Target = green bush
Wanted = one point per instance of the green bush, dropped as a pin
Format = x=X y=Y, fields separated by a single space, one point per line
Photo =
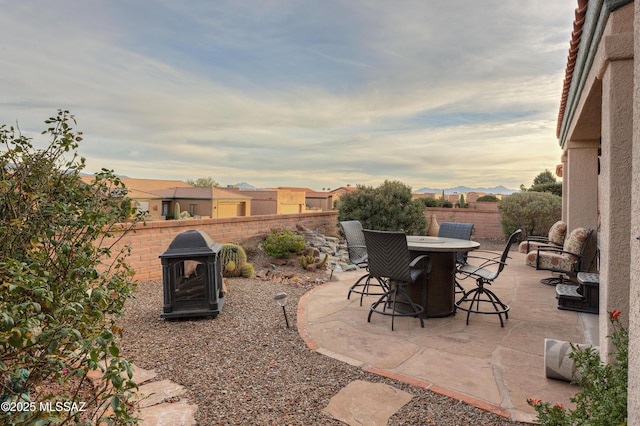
x=427 y=202
x=283 y=244
x=552 y=187
x=533 y=212
x=602 y=400
x=488 y=198
x=63 y=283
x=388 y=207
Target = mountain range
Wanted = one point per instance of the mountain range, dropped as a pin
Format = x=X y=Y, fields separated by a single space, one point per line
x=464 y=189
x=457 y=190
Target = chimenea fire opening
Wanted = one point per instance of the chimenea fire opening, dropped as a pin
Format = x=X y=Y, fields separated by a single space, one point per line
x=192 y=276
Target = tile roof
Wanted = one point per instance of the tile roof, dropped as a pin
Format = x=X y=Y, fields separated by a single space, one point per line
x=574 y=46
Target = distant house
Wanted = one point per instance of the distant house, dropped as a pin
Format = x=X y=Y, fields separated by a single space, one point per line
x=319 y=200
x=338 y=192
x=205 y=202
x=274 y=200
x=158 y=198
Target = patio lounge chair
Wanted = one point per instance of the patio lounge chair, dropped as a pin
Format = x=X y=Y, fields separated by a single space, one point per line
x=567 y=260
x=555 y=238
x=390 y=262
x=486 y=270
x=357 y=248
x=460 y=231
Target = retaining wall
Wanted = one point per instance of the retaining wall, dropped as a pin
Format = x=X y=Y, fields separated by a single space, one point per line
x=151 y=240
x=485 y=219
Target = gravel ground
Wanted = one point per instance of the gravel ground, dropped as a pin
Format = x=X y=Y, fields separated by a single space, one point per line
x=246 y=368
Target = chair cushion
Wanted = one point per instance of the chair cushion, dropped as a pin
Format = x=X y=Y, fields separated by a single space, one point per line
x=549 y=260
x=558 y=232
x=575 y=241
x=533 y=246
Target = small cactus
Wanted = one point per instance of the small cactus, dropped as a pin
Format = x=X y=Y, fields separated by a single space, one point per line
x=310 y=260
x=247 y=270
x=233 y=258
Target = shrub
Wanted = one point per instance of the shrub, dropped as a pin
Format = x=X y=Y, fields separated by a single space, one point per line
x=603 y=399
x=63 y=284
x=533 y=212
x=283 y=244
x=552 y=187
x=488 y=198
x=427 y=202
x=388 y=207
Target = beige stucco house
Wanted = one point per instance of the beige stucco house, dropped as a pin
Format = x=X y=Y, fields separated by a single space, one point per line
x=599 y=133
x=274 y=200
x=158 y=198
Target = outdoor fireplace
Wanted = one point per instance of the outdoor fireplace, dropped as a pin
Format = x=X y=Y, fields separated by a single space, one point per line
x=192 y=276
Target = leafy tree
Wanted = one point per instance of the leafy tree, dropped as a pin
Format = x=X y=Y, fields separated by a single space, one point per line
x=488 y=198
x=546 y=182
x=533 y=212
x=544 y=177
x=207 y=182
x=63 y=286
x=388 y=207
x=427 y=201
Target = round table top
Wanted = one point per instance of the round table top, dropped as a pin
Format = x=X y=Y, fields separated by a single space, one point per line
x=434 y=244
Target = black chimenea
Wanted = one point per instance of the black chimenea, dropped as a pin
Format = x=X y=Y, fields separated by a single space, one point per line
x=192 y=276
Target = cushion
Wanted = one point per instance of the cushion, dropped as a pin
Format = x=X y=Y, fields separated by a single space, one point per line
x=532 y=246
x=574 y=243
x=558 y=232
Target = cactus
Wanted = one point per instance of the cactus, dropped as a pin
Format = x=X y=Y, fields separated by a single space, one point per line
x=310 y=259
x=247 y=270
x=233 y=258
x=176 y=211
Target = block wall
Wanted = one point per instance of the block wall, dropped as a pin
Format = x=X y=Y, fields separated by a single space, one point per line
x=486 y=220
x=151 y=240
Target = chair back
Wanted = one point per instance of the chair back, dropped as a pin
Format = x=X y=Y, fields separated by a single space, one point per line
x=577 y=240
x=356 y=245
x=557 y=233
x=461 y=231
x=576 y=243
x=505 y=253
x=388 y=255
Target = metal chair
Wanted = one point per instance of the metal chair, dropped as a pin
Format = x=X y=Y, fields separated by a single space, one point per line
x=555 y=237
x=357 y=248
x=390 y=261
x=485 y=272
x=461 y=231
x=567 y=260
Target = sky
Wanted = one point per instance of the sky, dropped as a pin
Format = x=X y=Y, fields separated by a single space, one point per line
x=316 y=93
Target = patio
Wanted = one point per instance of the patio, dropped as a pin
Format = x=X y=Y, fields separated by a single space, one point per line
x=487 y=366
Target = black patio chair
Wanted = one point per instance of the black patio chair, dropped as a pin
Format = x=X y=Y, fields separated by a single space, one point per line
x=485 y=271
x=461 y=231
x=390 y=262
x=357 y=248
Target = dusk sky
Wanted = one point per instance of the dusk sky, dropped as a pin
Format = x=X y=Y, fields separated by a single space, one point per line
x=320 y=94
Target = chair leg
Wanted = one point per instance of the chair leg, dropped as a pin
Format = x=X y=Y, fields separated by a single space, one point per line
x=365 y=290
x=390 y=300
x=484 y=295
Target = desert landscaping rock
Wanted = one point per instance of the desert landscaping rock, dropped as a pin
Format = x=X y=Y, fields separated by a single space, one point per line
x=244 y=367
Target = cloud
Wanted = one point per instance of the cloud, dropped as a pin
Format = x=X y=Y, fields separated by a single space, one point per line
x=314 y=94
